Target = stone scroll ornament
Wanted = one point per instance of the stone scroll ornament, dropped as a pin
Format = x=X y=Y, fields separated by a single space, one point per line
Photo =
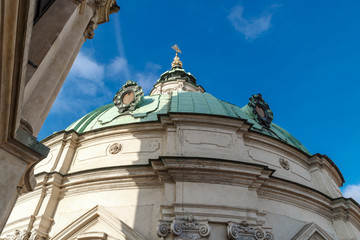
x=128 y=97
x=244 y=231
x=184 y=229
x=261 y=110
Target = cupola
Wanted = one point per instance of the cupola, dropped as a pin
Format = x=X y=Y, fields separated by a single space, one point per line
x=176 y=79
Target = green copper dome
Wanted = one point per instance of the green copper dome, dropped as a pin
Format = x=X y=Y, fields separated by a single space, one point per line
x=179 y=102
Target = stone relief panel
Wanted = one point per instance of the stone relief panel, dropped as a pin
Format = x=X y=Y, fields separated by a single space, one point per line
x=125 y=146
x=244 y=231
x=116 y=152
x=298 y=172
x=184 y=229
x=207 y=141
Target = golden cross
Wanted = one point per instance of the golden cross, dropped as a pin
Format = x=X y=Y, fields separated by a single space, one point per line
x=176 y=48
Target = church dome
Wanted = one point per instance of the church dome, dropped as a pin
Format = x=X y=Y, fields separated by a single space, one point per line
x=182 y=164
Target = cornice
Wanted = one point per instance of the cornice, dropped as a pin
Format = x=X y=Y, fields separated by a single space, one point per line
x=170 y=169
x=322 y=161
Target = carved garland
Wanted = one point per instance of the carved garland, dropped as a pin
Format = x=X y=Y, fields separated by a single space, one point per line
x=184 y=229
x=243 y=231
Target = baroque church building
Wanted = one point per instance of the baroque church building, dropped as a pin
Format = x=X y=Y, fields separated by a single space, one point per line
x=180 y=164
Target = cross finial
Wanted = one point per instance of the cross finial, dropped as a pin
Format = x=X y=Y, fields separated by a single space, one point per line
x=176 y=48
x=176 y=62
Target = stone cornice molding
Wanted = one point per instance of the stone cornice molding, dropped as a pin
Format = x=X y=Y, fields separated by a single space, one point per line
x=215 y=213
x=109 y=178
x=171 y=169
x=318 y=161
x=193 y=169
x=288 y=192
x=346 y=210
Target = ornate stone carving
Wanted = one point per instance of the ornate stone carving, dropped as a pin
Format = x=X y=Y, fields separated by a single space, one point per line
x=24 y=235
x=115 y=148
x=244 y=231
x=284 y=163
x=184 y=229
x=261 y=110
x=163 y=229
x=102 y=9
x=268 y=236
x=89 y=31
x=128 y=97
x=100 y=3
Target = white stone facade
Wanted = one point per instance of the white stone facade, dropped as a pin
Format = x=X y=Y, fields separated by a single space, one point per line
x=180 y=85
x=184 y=177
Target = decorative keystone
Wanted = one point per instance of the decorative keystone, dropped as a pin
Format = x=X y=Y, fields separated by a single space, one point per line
x=128 y=97
x=261 y=110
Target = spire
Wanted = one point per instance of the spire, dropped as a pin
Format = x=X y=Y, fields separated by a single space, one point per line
x=176 y=62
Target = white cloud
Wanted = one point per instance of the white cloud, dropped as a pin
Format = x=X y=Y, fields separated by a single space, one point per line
x=352 y=191
x=118 y=66
x=87 y=68
x=119 y=70
x=86 y=85
x=146 y=80
x=150 y=66
x=253 y=27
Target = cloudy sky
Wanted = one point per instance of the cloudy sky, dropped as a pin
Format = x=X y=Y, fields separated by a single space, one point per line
x=303 y=56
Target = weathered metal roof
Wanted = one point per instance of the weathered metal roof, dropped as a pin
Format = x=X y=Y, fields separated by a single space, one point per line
x=178 y=102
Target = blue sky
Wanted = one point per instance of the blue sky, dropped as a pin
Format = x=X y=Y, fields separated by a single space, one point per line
x=303 y=56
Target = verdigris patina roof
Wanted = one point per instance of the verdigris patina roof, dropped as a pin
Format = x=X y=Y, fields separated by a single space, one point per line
x=176 y=73
x=179 y=102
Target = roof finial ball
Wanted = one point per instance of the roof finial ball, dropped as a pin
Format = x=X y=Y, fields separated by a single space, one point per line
x=176 y=62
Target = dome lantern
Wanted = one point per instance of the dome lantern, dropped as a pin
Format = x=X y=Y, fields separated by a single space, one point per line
x=176 y=79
